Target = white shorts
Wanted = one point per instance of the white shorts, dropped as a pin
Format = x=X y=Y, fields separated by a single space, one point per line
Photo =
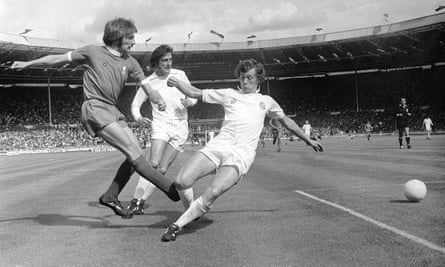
x=223 y=153
x=173 y=132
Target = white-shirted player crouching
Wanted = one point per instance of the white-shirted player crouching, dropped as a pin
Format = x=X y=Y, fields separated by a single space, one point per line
x=232 y=151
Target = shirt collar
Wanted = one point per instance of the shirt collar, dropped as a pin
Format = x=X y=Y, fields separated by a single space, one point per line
x=114 y=52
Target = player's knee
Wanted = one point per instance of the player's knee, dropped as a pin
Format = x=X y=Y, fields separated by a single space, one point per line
x=154 y=163
x=182 y=184
x=133 y=152
x=161 y=169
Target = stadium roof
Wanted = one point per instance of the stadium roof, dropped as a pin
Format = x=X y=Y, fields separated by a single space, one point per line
x=417 y=42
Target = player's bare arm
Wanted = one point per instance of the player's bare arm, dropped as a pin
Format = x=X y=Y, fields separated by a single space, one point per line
x=154 y=95
x=138 y=100
x=293 y=127
x=43 y=61
x=187 y=89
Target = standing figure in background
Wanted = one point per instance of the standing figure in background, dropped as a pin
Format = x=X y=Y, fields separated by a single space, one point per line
x=276 y=132
x=428 y=126
x=368 y=130
x=307 y=128
x=403 y=117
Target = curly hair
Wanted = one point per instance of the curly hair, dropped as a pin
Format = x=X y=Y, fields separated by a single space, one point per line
x=248 y=64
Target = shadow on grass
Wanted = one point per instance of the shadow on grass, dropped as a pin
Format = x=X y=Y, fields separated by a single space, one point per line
x=403 y=201
x=109 y=221
x=93 y=222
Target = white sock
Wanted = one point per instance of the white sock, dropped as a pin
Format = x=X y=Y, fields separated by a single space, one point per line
x=144 y=189
x=149 y=189
x=186 y=197
x=196 y=210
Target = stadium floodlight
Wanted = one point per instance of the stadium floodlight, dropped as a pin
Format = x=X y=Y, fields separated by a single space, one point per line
x=293 y=60
x=277 y=60
x=26 y=31
x=323 y=58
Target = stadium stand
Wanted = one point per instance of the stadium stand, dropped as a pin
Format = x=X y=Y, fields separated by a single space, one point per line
x=337 y=81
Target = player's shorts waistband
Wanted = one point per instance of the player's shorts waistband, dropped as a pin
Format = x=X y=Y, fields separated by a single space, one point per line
x=100 y=100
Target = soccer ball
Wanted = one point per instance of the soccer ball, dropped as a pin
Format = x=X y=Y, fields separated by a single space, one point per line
x=414 y=190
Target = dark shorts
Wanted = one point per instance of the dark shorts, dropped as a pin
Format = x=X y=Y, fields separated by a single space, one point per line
x=97 y=114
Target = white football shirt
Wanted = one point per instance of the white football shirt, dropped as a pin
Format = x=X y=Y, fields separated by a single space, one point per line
x=175 y=110
x=244 y=114
x=428 y=123
x=307 y=129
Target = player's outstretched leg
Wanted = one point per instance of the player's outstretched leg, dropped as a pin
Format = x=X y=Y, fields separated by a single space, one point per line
x=144 y=168
x=124 y=139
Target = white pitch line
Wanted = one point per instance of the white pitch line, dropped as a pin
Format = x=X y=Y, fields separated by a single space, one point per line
x=379 y=224
x=370 y=186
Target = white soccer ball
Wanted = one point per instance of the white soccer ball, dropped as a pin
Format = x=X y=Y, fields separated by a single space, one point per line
x=414 y=190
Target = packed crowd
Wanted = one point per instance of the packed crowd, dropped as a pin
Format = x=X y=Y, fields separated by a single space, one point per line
x=24 y=112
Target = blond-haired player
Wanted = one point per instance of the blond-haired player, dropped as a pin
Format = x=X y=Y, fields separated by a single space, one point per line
x=232 y=152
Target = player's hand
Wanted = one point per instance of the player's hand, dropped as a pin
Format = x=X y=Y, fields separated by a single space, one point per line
x=161 y=105
x=315 y=145
x=19 y=65
x=143 y=121
x=186 y=102
x=173 y=82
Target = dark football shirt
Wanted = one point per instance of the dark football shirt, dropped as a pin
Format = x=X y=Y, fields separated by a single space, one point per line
x=105 y=72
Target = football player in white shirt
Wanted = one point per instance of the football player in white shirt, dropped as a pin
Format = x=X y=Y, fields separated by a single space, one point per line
x=232 y=151
x=307 y=128
x=169 y=127
x=428 y=126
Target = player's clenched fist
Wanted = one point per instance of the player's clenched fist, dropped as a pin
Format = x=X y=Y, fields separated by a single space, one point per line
x=173 y=82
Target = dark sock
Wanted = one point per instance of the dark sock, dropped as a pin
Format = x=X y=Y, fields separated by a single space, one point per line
x=144 y=169
x=120 y=180
x=400 y=141
x=408 y=139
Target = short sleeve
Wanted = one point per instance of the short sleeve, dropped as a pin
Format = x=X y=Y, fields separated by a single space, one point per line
x=219 y=96
x=80 y=55
x=275 y=111
x=136 y=70
x=185 y=78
